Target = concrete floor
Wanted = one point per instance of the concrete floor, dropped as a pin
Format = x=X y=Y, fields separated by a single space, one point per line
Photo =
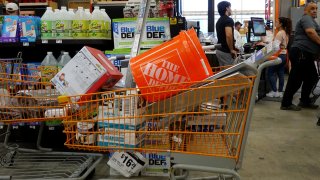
x=282 y=145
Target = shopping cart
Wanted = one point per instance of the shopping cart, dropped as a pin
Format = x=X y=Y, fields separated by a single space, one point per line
x=26 y=98
x=192 y=126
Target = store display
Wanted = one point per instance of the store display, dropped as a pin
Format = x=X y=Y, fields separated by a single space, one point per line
x=157 y=31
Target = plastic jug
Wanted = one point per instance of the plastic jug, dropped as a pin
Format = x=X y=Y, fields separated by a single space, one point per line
x=65 y=58
x=97 y=25
x=107 y=24
x=80 y=24
x=63 y=23
x=49 y=67
x=47 y=23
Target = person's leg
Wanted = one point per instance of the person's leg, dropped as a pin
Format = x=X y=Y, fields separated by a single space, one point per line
x=272 y=80
x=294 y=80
x=310 y=78
x=224 y=58
x=280 y=71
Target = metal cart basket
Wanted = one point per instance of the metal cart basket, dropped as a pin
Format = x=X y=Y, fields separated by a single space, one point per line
x=204 y=127
x=27 y=99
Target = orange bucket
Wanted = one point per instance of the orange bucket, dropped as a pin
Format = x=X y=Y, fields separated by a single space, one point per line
x=177 y=61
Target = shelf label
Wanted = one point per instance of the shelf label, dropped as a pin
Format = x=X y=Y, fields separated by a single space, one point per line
x=51 y=128
x=32 y=127
x=59 y=41
x=15 y=127
x=25 y=43
x=44 y=41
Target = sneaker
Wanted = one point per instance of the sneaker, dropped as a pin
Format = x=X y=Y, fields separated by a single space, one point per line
x=292 y=107
x=308 y=106
x=271 y=94
x=280 y=94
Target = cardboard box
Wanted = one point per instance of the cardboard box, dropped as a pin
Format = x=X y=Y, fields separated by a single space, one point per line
x=121 y=137
x=157 y=140
x=86 y=72
x=157 y=165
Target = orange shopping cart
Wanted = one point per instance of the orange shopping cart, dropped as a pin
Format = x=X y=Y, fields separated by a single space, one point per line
x=26 y=98
x=202 y=127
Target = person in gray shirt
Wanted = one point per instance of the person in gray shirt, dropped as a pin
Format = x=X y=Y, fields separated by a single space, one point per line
x=304 y=51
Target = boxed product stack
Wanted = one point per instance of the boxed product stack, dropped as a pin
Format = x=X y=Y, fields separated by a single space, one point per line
x=119 y=119
x=23 y=28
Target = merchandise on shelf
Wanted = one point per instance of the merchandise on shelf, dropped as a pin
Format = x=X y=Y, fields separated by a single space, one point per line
x=97 y=24
x=10 y=32
x=157 y=31
x=63 y=24
x=132 y=8
x=47 y=24
x=29 y=28
x=85 y=73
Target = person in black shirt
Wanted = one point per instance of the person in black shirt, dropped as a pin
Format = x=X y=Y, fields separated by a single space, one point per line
x=225 y=34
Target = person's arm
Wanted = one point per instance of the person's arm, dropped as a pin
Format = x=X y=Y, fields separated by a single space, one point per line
x=307 y=23
x=312 y=34
x=229 y=39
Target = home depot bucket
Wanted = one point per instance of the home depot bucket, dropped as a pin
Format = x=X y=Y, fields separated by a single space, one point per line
x=177 y=61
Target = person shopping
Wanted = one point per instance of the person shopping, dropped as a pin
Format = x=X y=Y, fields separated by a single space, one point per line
x=284 y=25
x=304 y=51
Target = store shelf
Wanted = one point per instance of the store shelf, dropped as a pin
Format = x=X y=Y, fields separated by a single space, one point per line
x=33 y=4
x=58 y=42
x=111 y=3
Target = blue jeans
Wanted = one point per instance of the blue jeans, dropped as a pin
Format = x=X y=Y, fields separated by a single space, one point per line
x=277 y=71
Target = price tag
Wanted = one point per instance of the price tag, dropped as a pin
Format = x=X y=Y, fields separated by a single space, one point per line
x=59 y=41
x=32 y=127
x=15 y=127
x=51 y=128
x=1 y=126
x=44 y=41
x=25 y=43
x=127 y=163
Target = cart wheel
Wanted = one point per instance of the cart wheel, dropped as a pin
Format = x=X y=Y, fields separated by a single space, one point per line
x=318 y=123
x=90 y=176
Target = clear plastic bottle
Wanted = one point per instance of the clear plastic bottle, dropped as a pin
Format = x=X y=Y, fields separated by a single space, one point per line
x=49 y=67
x=56 y=25
x=107 y=24
x=97 y=25
x=61 y=54
x=80 y=24
x=65 y=58
x=71 y=16
x=47 y=22
x=64 y=23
